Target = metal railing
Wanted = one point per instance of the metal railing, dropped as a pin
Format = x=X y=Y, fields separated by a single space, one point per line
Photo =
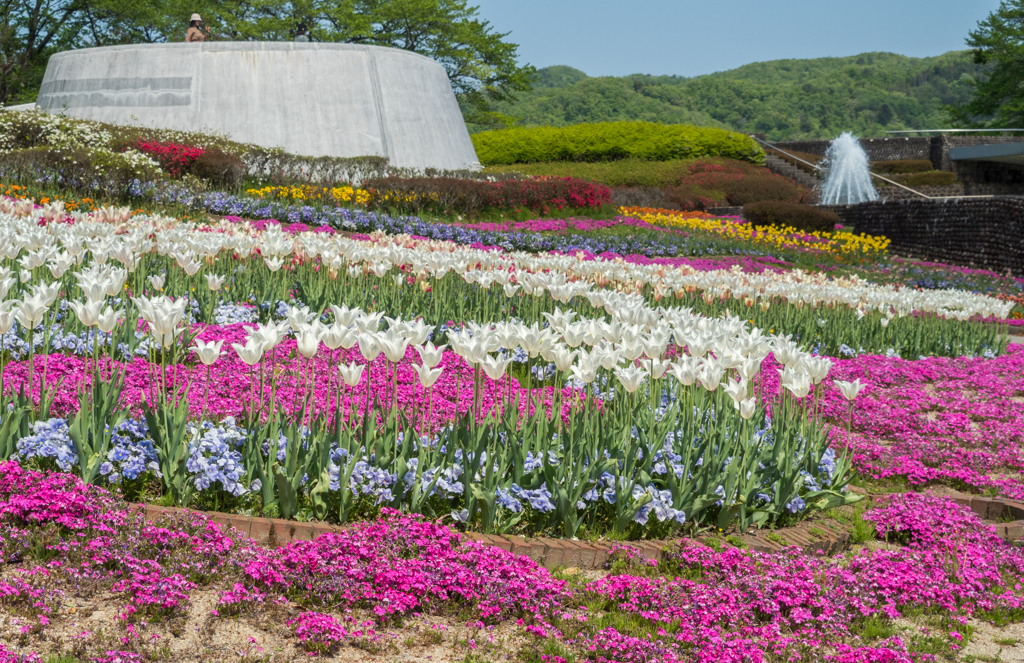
x=953 y=131
x=818 y=168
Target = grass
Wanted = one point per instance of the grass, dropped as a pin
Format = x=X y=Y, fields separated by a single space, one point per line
x=874 y=627
x=736 y=541
x=861 y=531
x=776 y=538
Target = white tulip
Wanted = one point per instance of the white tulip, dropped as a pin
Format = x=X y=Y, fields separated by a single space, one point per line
x=351 y=373
x=737 y=390
x=88 y=313
x=430 y=356
x=850 y=390
x=157 y=281
x=799 y=384
x=338 y=336
x=631 y=377
x=31 y=311
x=494 y=367
x=368 y=346
x=427 y=376
x=308 y=342
x=746 y=407
x=710 y=375
x=345 y=316
x=208 y=353
x=563 y=357
x=215 y=282
x=108 y=320
x=393 y=345
x=250 y=353
x=684 y=372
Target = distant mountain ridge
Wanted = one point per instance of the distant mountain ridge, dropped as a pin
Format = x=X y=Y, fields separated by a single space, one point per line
x=785 y=99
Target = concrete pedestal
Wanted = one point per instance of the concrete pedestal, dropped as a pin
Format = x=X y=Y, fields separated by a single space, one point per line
x=312 y=99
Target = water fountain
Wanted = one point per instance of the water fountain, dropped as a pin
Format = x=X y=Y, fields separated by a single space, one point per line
x=847 y=181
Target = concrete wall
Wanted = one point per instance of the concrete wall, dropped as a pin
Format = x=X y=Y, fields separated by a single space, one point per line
x=311 y=99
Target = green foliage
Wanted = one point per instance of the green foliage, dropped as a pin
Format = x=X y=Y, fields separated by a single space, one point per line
x=785 y=99
x=902 y=166
x=609 y=141
x=621 y=173
x=167 y=426
x=861 y=531
x=97 y=172
x=801 y=217
x=715 y=182
x=222 y=169
x=92 y=429
x=452 y=195
x=997 y=99
x=933 y=178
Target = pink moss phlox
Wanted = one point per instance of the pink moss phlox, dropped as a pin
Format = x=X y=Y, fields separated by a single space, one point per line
x=231 y=380
x=400 y=563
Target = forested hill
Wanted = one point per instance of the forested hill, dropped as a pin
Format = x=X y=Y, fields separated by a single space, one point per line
x=786 y=99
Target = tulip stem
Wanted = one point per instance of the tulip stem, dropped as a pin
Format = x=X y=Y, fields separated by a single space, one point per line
x=206 y=394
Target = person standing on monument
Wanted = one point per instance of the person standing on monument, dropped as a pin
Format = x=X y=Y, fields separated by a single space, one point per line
x=196 y=31
x=300 y=33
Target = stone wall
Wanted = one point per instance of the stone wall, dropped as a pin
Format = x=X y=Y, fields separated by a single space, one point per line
x=987 y=233
x=934 y=148
x=878 y=149
x=896 y=193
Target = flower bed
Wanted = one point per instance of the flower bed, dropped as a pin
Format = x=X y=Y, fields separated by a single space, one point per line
x=375 y=584
x=839 y=243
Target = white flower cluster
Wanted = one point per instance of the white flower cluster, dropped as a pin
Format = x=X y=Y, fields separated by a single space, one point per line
x=50 y=130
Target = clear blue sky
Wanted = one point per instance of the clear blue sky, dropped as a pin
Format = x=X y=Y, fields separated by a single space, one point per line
x=692 y=37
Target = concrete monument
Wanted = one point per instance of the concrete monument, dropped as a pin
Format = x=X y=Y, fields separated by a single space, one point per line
x=313 y=99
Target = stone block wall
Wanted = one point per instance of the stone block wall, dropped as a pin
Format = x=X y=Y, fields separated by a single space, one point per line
x=896 y=193
x=878 y=149
x=980 y=232
x=934 y=148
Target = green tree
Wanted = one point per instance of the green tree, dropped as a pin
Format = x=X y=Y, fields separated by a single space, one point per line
x=998 y=98
x=31 y=30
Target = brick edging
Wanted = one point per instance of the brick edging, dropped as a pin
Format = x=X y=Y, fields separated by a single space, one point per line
x=551 y=553
x=813 y=537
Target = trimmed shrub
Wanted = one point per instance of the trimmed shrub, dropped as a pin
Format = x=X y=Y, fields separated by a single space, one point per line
x=448 y=195
x=642 y=197
x=220 y=168
x=82 y=170
x=624 y=172
x=714 y=183
x=801 y=217
x=174 y=158
x=902 y=166
x=933 y=178
x=610 y=141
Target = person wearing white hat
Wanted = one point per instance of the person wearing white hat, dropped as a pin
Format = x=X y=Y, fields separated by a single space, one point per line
x=195 y=30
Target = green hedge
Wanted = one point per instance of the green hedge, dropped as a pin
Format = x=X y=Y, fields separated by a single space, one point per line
x=610 y=141
x=802 y=217
x=902 y=166
x=934 y=178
